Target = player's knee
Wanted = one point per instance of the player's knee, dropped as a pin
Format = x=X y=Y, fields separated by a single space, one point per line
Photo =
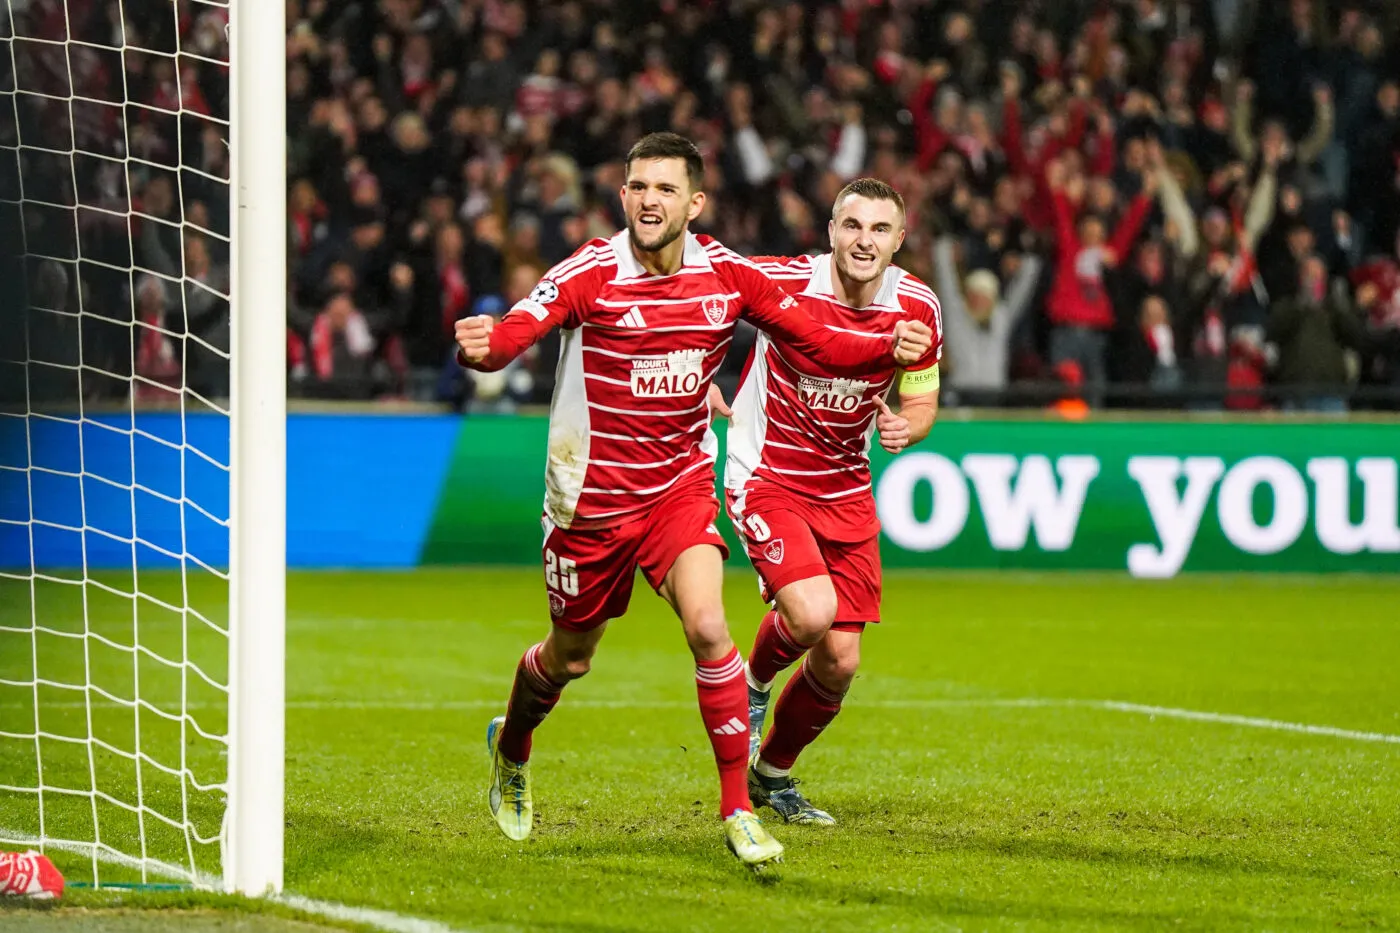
x=576 y=667
x=809 y=612
x=707 y=633
x=835 y=666
x=564 y=663
x=843 y=669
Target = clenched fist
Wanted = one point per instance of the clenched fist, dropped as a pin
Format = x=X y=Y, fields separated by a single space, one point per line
x=912 y=340
x=474 y=336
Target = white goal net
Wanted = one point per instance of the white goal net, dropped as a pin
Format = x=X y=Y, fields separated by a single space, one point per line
x=118 y=432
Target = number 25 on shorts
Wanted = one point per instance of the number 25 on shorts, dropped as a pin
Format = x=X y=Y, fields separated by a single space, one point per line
x=560 y=573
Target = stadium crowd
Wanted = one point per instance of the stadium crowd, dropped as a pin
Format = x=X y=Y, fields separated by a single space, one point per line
x=1142 y=202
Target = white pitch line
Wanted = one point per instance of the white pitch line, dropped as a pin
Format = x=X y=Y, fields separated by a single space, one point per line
x=385 y=920
x=1252 y=722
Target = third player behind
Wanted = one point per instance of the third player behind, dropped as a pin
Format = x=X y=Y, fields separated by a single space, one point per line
x=798 y=483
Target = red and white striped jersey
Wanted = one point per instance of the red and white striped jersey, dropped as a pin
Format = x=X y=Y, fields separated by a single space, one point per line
x=630 y=418
x=796 y=424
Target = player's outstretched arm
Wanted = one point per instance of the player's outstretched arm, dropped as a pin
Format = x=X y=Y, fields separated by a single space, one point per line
x=773 y=310
x=485 y=345
x=559 y=300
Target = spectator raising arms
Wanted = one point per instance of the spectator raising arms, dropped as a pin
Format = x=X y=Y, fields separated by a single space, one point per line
x=1079 y=307
x=464 y=141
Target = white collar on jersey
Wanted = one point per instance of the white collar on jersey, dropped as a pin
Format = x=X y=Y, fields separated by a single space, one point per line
x=820 y=284
x=694 y=256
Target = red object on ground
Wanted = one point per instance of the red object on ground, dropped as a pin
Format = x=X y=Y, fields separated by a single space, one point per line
x=31 y=875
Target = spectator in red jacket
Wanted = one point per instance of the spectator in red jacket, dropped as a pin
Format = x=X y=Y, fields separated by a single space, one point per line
x=1080 y=310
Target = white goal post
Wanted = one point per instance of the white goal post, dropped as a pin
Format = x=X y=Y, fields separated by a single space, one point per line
x=253 y=852
x=143 y=439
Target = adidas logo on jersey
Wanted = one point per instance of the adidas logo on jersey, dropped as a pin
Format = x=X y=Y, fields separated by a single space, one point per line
x=842 y=395
x=733 y=727
x=675 y=374
x=632 y=318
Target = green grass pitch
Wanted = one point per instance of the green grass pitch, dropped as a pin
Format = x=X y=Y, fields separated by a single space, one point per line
x=982 y=780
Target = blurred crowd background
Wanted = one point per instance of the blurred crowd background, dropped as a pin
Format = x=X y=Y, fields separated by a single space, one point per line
x=1145 y=203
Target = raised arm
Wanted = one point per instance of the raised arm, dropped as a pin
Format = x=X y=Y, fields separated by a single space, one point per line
x=1019 y=292
x=559 y=300
x=1259 y=214
x=1324 y=123
x=1242 y=122
x=771 y=309
x=1174 y=204
x=1131 y=224
x=945 y=267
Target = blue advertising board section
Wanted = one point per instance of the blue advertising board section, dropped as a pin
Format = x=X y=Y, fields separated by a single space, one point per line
x=110 y=493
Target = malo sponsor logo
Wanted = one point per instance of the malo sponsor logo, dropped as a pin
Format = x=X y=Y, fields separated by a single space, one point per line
x=716 y=309
x=842 y=395
x=773 y=550
x=675 y=374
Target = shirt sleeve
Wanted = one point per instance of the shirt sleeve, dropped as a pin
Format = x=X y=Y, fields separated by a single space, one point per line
x=560 y=299
x=791 y=272
x=919 y=301
x=773 y=310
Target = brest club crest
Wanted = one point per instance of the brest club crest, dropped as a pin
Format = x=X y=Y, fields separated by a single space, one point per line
x=773 y=550
x=716 y=309
x=556 y=605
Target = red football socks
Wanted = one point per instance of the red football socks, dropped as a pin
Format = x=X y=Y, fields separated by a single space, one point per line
x=805 y=708
x=724 y=707
x=532 y=696
x=773 y=650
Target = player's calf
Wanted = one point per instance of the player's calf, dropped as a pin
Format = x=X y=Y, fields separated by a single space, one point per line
x=540 y=678
x=807 y=706
x=805 y=613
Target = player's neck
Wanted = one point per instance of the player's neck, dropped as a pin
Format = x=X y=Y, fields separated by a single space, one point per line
x=854 y=294
x=664 y=261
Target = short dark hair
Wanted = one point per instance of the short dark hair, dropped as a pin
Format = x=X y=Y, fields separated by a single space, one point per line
x=872 y=188
x=670 y=146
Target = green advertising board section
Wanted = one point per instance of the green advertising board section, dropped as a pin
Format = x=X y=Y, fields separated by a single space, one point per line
x=1152 y=498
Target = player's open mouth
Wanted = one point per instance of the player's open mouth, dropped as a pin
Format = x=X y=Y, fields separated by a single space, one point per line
x=651 y=220
x=863 y=257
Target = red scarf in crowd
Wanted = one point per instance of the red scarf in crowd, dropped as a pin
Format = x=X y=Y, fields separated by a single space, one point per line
x=358 y=340
x=455 y=295
x=155 y=355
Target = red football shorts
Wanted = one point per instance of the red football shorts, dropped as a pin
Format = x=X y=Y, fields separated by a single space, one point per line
x=589 y=572
x=789 y=538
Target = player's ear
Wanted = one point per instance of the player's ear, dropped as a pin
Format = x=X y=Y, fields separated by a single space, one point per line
x=697 y=204
x=899 y=240
x=831 y=232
